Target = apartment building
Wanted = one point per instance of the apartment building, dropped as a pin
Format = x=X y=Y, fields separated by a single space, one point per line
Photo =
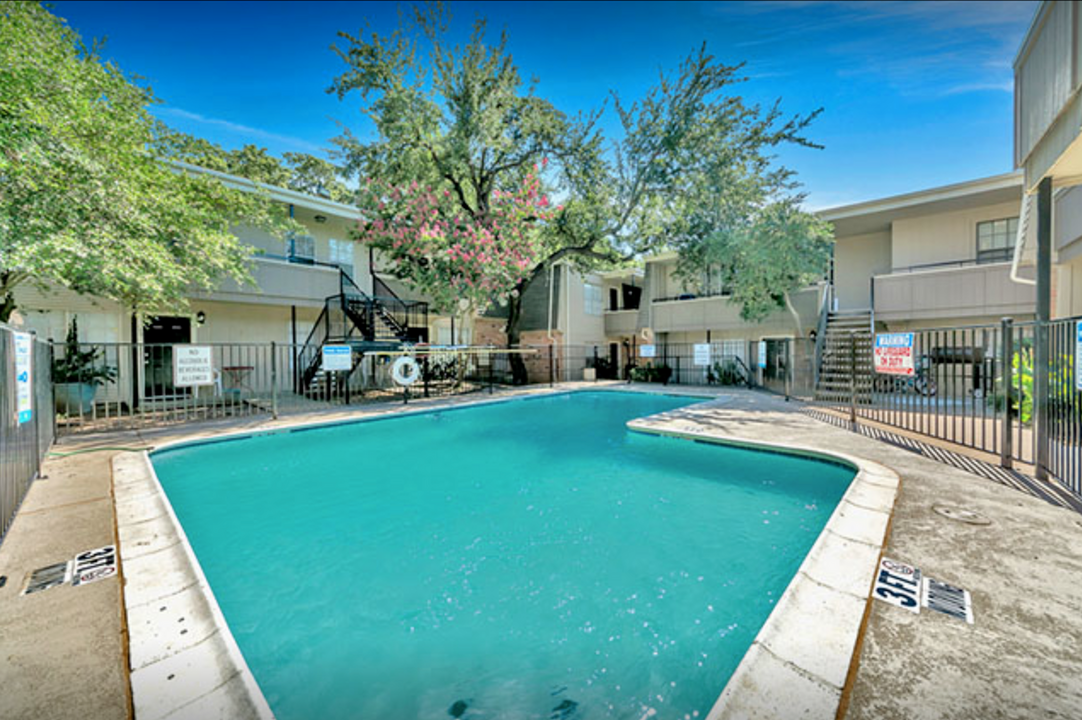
x=296 y=281
x=1048 y=147
x=562 y=308
x=292 y=279
x=658 y=307
x=935 y=257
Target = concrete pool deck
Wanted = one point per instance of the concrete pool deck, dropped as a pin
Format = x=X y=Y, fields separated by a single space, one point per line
x=65 y=648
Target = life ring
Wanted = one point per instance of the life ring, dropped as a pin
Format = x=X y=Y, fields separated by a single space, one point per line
x=405 y=371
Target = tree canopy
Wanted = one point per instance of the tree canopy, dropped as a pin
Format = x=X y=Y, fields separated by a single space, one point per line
x=297 y=171
x=86 y=201
x=691 y=166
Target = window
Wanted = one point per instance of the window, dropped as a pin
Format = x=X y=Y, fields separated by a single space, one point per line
x=592 y=304
x=342 y=255
x=302 y=247
x=995 y=240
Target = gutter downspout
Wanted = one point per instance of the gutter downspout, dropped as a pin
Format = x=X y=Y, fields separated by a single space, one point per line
x=552 y=280
x=1020 y=242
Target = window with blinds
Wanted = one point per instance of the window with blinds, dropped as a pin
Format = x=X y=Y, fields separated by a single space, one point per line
x=995 y=240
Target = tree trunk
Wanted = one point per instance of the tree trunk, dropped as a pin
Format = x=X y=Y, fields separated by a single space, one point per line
x=519 y=374
x=7 y=289
x=7 y=307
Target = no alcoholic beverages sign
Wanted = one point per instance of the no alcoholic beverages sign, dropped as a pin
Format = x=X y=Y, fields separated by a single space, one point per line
x=192 y=365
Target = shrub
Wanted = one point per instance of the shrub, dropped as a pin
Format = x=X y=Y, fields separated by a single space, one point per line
x=652 y=373
x=80 y=366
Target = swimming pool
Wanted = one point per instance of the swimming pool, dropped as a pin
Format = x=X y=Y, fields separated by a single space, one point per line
x=529 y=558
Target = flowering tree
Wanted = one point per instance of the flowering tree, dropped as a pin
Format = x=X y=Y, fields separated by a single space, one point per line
x=462 y=260
x=460 y=119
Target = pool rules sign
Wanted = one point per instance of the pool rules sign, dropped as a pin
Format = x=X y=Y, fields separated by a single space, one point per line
x=24 y=376
x=893 y=353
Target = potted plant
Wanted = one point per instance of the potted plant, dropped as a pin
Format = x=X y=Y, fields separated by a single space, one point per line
x=77 y=375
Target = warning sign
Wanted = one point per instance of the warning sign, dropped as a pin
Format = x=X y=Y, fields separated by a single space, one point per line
x=94 y=565
x=894 y=353
x=898 y=584
x=84 y=568
x=905 y=586
x=192 y=365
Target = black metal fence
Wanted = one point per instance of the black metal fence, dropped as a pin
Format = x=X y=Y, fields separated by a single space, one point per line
x=1064 y=410
x=26 y=417
x=973 y=386
x=119 y=386
x=783 y=365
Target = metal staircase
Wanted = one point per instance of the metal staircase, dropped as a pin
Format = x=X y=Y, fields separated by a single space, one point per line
x=845 y=365
x=365 y=323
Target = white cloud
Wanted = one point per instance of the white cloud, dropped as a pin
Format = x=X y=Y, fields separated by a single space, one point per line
x=246 y=132
x=920 y=48
x=1007 y=86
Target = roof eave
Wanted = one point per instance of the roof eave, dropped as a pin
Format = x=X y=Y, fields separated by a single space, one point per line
x=292 y=197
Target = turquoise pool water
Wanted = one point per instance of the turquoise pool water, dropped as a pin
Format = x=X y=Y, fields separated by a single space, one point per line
x=523 y=559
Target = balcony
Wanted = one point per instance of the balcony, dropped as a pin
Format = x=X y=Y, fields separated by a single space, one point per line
x=281 y=282
x=957 y=290
x=691 y=313
x=621 y=322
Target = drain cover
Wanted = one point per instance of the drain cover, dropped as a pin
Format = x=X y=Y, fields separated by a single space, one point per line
x=961 y=515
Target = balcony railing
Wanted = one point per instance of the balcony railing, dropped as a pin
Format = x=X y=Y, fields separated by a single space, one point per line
x=694 y=296
x=990 y=257
x=948 y=291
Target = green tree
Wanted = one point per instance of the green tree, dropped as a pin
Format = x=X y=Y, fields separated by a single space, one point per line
x=315 y=176
x=461 y=120
x=86 y=202
x=760 y=256
x=297 y=171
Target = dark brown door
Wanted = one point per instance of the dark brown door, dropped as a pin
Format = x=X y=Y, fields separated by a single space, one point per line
x=158 y=338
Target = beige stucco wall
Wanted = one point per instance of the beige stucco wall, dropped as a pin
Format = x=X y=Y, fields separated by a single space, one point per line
x=49 y=313
x=249 y=322
x=722 y=317
x=943 y=237
x=856 y=259
x=578 y=327
x=961 y=293
x=1067 y=297
x=333 y=227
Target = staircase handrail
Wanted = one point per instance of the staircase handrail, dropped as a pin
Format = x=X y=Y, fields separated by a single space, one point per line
x=746 y=370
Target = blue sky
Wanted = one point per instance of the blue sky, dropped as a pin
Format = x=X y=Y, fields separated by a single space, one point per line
x=915 y=94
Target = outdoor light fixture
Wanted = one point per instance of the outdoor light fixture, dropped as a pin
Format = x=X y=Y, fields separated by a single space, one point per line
x=321 y=219
x=200 y=317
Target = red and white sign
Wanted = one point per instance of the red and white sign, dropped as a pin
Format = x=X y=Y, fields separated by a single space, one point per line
x=894 y=353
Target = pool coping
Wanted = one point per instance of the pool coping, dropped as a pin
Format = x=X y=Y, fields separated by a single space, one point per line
x=174 y=676
x=803 y=659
